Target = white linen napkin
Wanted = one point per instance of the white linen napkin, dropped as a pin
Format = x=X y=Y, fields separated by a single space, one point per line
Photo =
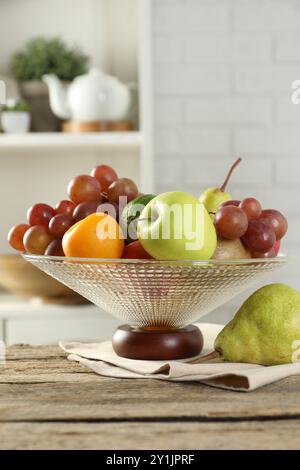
x=101 y=358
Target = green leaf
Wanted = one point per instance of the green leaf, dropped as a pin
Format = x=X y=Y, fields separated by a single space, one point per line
x=41 y=56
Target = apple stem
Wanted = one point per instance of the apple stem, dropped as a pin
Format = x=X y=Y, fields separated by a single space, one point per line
x=223 y=187
x=207 y=357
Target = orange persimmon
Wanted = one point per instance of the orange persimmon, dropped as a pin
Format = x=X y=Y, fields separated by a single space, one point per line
x=96 y=236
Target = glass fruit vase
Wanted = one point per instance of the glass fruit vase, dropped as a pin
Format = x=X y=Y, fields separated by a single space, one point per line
x=158 y=300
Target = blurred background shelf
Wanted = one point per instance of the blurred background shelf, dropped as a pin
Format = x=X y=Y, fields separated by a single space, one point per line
x=57 y=140
x=33 y=322
x=115 y=35
x=37 y=167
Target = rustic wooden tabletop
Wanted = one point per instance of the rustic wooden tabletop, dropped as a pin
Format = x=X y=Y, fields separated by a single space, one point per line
x=47 y=402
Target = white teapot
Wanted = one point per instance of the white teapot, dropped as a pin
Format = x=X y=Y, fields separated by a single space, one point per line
x=94 y=96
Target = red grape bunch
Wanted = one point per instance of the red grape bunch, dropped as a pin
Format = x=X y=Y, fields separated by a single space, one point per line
x=46 y=226
x=260 y=230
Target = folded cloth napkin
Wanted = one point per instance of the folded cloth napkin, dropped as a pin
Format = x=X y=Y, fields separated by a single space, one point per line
x=101 y=358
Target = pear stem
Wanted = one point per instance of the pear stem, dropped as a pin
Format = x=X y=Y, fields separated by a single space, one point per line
x=236 y=163
x=207 y=357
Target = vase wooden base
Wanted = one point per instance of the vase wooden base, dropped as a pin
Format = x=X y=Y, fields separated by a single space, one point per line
x=96 y=126
x=154 y=343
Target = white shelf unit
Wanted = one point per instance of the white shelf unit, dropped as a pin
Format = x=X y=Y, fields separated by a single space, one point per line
x=23 y=321
x=60 y=140
x=37 y=167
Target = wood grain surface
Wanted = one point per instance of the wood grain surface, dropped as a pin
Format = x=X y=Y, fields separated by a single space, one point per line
x=47 y=402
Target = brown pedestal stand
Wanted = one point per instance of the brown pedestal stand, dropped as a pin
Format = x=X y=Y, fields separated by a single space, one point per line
x=154 y=343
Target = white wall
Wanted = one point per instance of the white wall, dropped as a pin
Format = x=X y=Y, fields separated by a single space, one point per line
x=222 y=76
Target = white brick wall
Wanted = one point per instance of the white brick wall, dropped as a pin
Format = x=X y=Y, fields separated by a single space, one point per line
x=222 y=85
x=231 y=110
x=182 y=79
x=177 y=17
x=227 y=48
x=266 y=15
x=265 y=79
x=288 y=48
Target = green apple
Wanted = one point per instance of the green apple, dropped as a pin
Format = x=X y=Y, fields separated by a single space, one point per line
x=212 y=198
x=175 y=225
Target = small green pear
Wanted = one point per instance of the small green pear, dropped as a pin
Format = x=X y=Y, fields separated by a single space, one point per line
x=212 y=198
x=265 y=329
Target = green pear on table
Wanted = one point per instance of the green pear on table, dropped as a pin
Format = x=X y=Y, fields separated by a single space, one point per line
x=212 y=198
x=265 y=330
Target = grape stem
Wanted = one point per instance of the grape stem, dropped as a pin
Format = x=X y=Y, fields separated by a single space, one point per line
x=236 y=163
x=207 y=357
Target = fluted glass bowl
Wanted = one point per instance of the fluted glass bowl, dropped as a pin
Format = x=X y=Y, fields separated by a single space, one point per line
x=169 y=294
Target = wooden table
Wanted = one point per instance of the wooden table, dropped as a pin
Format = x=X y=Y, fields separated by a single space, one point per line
x=47 y=402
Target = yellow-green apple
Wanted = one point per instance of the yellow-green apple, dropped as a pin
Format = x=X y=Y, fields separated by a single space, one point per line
x=175 y=225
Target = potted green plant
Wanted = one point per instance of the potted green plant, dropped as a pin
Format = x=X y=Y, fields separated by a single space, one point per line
x=42 y=56
x=15 y=117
